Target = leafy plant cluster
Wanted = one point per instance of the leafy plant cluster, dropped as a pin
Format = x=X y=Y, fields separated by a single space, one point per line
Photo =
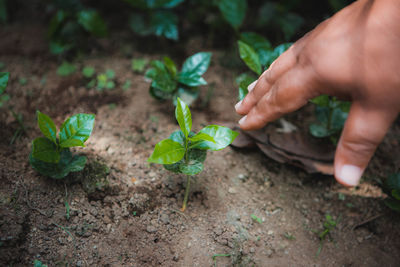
x=155 y=17
x=169 y=83
x=51 y=155
x=72 y=24
x=4 y=76
x=185 y=151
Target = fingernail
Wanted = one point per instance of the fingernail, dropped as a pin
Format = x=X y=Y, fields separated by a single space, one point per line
x=238 y=104
x=252 y=85
x=242 y=120
x=350 y=175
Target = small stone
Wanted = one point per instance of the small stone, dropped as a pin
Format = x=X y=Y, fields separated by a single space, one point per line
x=152 y=174
x=270 y=232
x=165 y=218
x=79 y=263
x=252 y=250
x=232 y=190
x=242 y=177
x=151 y=229
x=269 y=252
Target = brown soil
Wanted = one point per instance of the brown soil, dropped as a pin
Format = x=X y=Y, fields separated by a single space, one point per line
x=125 y=212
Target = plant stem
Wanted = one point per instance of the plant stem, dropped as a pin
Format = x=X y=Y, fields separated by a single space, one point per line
x=185 y=199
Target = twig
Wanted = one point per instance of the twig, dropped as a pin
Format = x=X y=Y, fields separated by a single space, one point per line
x=367 y=221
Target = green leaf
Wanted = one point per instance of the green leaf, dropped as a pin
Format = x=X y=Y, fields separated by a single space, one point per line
x=57 y=47
x=322 y=100
x=3 y=99
x=152 y=4
x=202 y=137
x=4 y=76
x=170 y=65
x=88 y=72
x=110 y=74
x=178 y=136
x=233 y=11
x=250 y=57
x=43 y=149
x=139 y=64
x=3 y=11
x=261 y=45
x=126 y=85
x=139 y=25
x=184 y=117
x=244 y=80
x=319 y=130
x=47 y=127
x=223 y=136
x=56 y=22
x=92 y=22
x=164 y=23
x=167 y=152
x=161 y=78
x=393 y=204
x=396 y=194
x=191 y=79
x=66 y=69
x=194 y=165
x=76 y=130
x=197 y=64
x=61 y=169
x=271 y=57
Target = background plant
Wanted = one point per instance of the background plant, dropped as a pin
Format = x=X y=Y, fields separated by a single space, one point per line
x=71 y=25
x=155 y=18
x=102 y=81
x=50 y=155
x=185 y=151
x=168 y=83
x=4 y=97
x=392 y=189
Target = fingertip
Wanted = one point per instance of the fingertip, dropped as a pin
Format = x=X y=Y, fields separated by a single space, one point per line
x=348 y=175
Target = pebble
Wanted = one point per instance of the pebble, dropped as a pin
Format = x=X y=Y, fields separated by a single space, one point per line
x=270 y=232
x=79 y=263
x=151 y=229
x=232 y=190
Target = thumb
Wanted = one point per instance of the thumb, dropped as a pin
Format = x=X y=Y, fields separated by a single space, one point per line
x=363 y=131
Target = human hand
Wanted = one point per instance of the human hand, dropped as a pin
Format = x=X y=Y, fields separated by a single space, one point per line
x=355 y=55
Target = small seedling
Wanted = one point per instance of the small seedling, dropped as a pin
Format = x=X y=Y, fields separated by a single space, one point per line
x=185 y=151
x=126 y=85
x=289 y=236
x=331 y=115
x=102 y=81
x=4 y=76
x=328 y=226
x=66 y=69
x=392 y=188
x=258 y=54
x=139 y=64
x=168 y=83
x=50 y=155
x=256 y=219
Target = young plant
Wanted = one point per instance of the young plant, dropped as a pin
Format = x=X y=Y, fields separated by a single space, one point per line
x=392 y=189
x=328 y=226
x=71 y=25
x=233 y=11
x=50 y=155
x=168 y=83
x=331 y=115
x=155 y=18
x=103 y=81
x=4 y=76
x=185 y=151
x=258 y=54
x=66 y=69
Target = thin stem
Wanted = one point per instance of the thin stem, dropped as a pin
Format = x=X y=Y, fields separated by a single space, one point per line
x=185 y=199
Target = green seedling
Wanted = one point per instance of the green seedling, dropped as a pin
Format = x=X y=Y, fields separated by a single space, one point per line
x=289 y=236
x=331 y=115
x=255 y=218
x=328 y=226
x=139 y=64
x=168 y=83
x=66 y=69
x=185 y=151
x=22 y=81
x=102 y=81
x=50 y=155
x=71 y=26
x=4 y=77
x=392 y=189
x=37 y=263
x=154 y=18
x=258 y=54
x=127 y=84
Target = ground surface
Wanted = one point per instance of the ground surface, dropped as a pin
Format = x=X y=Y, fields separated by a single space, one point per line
x=125 y=212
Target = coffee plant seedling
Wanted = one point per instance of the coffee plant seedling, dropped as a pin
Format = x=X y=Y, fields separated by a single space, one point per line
x=103 y=81
x=168 y=83
x=185 y=151
x=50 y=155
x=258 y=54
x=71 y=25
x=66 y=69
x=331 y=115
x=4 y=76
x=392 y=189
x=155 y=18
